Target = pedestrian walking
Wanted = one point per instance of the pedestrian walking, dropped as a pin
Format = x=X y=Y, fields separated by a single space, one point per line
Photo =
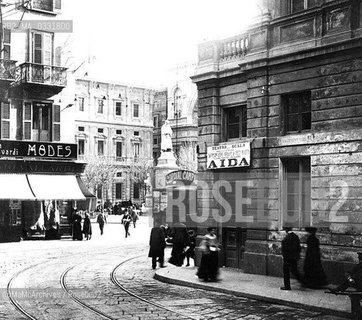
x=157 y=246
x=209 y=265
x=126 y=221
x=77 y=226
x=314 y=276
x=87 y=227
x=101 y=219
x=190 y=252
x=180 y=240
x=134 y=216
x=291 y=254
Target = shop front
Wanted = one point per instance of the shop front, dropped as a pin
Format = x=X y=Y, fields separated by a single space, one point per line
x=40 y=186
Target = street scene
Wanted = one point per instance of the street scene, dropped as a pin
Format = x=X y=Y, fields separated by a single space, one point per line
x=194 y=160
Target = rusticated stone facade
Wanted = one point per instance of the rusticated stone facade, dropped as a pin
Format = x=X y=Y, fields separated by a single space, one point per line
x=297 y=74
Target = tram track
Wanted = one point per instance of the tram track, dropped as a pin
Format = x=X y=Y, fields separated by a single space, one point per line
x=11 y=297
x=115 y=281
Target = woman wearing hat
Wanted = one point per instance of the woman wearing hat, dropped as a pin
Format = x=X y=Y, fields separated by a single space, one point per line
x=209 y=265
x=314 y=276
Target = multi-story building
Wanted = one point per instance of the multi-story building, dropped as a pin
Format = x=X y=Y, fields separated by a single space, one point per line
x=280 y=135
x=112 y=121
x=178 y=104
x=39 y=176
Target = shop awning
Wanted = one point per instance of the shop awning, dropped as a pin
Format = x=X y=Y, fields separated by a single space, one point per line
x=84 y=189
x=55 y=187
x=15 y=187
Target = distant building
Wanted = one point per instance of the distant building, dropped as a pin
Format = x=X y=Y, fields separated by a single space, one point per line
x=112 y=121
x=280 y=122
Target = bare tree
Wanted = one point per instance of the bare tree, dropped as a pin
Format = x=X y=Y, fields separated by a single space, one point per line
x=139 y=172
x=186 y=157
x=99 y=171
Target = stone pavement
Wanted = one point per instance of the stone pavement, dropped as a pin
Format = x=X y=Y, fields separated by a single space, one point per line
x=265 y=288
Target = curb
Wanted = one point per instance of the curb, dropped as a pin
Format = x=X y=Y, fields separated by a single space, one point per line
x=252 y=296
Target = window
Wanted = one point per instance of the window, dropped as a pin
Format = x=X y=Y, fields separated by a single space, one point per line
x=56 y=122
x=42 y=48
x=118 y=149
x=100 y=147
x=300 y=5
x=119 y=175
x=297 y=112
x=235 y=122
x=99 y=191
x=5 y=120
x=136 y=150
x=119 y=188
x=7 y=42
x=100 y=105
x=136 y=110
x=136 y=191
x=100 y=130
x=81 y=144
x=27 y=115
x=296 y=192
x=119 y=132
x=118 y=108
x=81 y=129
x=155 y=121
x=81 y=103
x=136 y=133
x=155 y=141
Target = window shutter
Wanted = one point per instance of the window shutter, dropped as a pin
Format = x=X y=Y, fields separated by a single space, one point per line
x=5 y=120
x=37 y=45
x=7 y=42
x=27 y=121
x=56 y=123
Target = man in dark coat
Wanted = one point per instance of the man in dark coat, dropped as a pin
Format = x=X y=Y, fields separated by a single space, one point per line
x=157 y=246
x=291 y=254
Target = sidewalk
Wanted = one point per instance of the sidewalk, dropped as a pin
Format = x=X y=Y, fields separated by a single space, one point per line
x=259 y=287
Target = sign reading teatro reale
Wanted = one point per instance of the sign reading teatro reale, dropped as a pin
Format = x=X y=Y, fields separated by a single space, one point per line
x=228 y=155
x=40 y=150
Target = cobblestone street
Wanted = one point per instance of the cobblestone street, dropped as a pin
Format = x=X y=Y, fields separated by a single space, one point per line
x=110 y=277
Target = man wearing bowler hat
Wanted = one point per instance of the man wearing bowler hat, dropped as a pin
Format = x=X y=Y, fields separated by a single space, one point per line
x=291 y=254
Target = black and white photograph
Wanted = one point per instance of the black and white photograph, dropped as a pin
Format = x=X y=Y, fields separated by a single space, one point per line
x=165 y=159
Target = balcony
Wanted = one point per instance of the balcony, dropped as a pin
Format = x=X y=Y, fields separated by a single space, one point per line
x=42 y=74
x=8 y=70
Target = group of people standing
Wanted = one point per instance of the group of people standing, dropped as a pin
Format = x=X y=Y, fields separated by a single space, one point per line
x=314 y=276
x=130 y=216
x=183 y=246
x=78 y=230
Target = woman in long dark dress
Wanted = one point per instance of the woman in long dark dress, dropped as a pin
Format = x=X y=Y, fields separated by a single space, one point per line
x=314 y=276
x=77 y=226
x=87 y=227
x=180 y=240
x=209 y=265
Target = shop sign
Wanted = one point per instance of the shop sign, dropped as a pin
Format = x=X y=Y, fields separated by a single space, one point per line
x=40 y=150
x=184 y=176
x=228 y=156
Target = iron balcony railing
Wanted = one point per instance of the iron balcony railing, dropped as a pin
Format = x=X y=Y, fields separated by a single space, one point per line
x=8 y=70
x=43 y=74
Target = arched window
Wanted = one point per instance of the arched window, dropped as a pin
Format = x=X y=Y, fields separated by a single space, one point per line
x=177 y=103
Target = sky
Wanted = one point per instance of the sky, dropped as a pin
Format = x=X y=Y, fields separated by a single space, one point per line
x=139 y=41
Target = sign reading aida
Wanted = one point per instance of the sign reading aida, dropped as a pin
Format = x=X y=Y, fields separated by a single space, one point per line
x=30 y=149
x=184 y=176
x=228 y=156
